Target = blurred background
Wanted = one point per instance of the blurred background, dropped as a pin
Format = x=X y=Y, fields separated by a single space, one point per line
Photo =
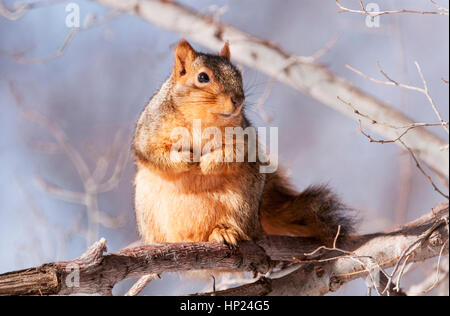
x=71 y=117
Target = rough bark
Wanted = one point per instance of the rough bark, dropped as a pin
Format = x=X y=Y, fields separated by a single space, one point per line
x=381 y=250
x=98 y=273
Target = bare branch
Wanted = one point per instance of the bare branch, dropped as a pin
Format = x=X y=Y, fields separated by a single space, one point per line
x=55 y=131
x=427 y=93
x=89 y=22
x=441 y=8
x=423 y=171
x=22 y=60
x=391 y=82
x=60 y=193
x=141 y=284
x=432 y=281
x=21 y=8
x=397 y=139
x=321 y=278
x=262 y=100
x=99 y=273
x=406 y=127
x=363 y=10
x=93 y=182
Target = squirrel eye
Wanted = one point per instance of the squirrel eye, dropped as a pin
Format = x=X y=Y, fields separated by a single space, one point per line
x=203 y=77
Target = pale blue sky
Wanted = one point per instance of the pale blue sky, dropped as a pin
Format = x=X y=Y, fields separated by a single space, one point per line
x=108 y=73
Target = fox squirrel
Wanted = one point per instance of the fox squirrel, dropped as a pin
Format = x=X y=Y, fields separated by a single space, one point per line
x=180 y=200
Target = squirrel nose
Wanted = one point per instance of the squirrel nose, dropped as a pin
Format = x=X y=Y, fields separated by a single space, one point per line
x=237 y=101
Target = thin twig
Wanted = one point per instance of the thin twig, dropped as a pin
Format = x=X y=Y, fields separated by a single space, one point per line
x=374 y=14
x=89 y=22
x=438 y=6
x=423 y=171
x=430 y=99
x=411 y=248
x=93 y=184
x=141 y=284
x=391 y=82
x=398 y=139
x=22 y=8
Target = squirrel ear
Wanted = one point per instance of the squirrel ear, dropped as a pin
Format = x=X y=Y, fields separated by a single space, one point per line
x=225 y=52
x=184 y=57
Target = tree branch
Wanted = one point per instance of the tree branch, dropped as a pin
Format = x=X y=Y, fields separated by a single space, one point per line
x=441 y=10
x=371 y=254
x=309 y=78
x=321 y=270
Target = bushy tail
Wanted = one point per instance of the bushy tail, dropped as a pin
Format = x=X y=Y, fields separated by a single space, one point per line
x=315 y=212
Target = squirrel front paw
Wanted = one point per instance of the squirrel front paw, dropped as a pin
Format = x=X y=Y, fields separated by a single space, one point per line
x=228 y=236
x=211 y=162
x=182 y=160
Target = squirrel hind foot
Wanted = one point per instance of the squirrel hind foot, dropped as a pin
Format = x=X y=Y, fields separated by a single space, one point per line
x=228 y=236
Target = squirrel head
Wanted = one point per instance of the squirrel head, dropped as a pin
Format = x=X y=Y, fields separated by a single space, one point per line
x=207 y=87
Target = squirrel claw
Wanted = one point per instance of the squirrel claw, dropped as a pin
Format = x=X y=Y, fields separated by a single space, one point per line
x=226 y=236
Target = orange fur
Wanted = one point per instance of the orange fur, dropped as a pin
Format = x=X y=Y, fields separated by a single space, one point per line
x=212 y=200
x=169 y=207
